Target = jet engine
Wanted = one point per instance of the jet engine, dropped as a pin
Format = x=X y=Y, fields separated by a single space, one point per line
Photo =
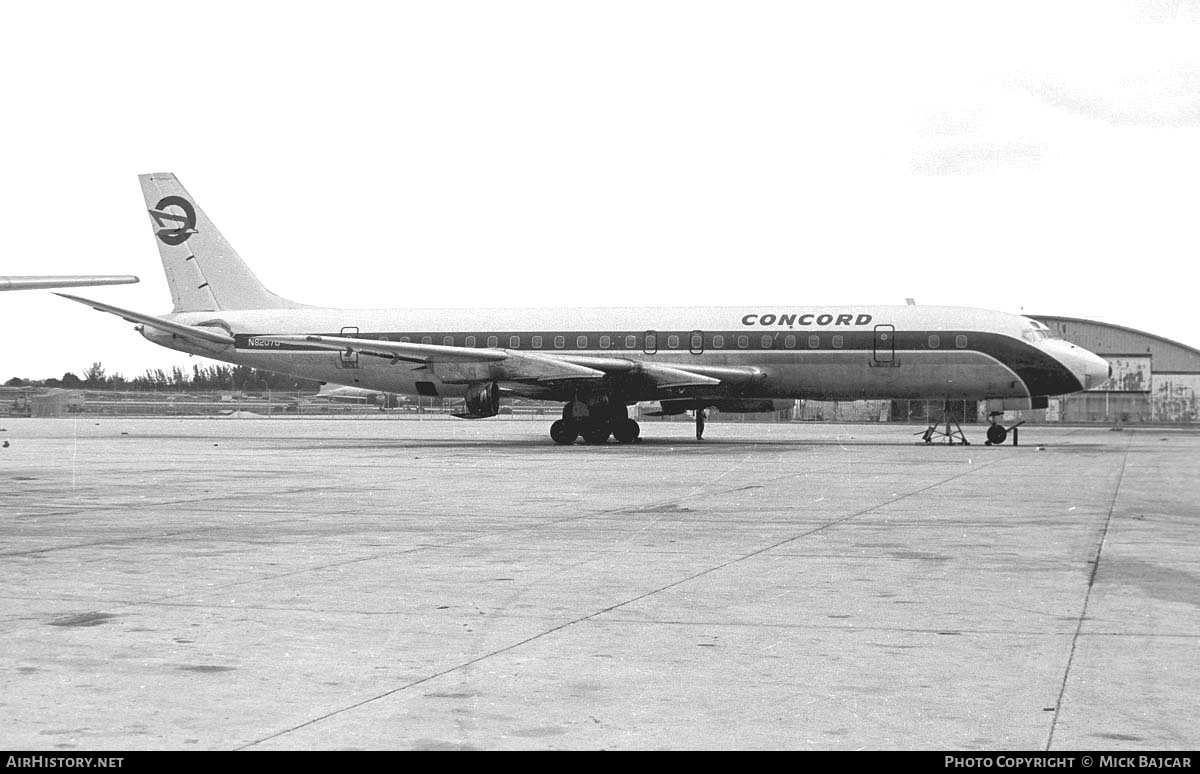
x=483 y=400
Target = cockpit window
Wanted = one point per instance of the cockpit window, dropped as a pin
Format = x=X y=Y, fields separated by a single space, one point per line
x=1038 y=332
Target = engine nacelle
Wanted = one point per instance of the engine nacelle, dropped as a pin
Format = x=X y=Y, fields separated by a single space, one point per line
x=483 y=400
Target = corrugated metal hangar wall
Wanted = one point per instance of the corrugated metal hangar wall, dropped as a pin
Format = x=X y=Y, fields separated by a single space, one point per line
x=1154 y=379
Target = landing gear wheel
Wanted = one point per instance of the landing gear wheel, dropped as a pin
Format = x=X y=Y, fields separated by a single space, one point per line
x=996 y=435
x=700 y=417
x=626 y=430
x=596 y=433
x=563 y=433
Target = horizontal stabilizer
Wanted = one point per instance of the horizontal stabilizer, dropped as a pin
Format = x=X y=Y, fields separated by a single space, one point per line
x=204 y=333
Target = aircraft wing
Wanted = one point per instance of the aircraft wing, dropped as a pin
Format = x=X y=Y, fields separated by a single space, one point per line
x=395 y=350
x=468 y=364
x=456 y=365
x=65 y=281
x=207 y=334
x=693 y=374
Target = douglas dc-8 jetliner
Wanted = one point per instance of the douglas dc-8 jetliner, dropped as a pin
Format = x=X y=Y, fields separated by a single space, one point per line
x=596 y=362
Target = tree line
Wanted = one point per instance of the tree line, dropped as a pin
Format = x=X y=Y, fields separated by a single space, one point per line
x=199 y=379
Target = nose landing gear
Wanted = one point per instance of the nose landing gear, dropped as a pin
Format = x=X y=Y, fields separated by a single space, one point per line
x=998 y=433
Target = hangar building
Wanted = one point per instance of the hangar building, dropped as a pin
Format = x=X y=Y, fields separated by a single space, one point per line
x=1154 y=379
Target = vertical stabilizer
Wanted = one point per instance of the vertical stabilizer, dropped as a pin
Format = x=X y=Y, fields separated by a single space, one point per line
x=204 y=273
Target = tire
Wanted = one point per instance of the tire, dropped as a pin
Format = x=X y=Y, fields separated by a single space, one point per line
x=563 y=433
x=626 y=431
x=597 y=433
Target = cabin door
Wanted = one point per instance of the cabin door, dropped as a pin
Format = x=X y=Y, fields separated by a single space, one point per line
x=885 y=344
x=347 y=359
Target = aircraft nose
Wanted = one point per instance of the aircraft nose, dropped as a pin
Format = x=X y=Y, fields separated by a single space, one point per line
x=1089 y=369
x=1094 y=370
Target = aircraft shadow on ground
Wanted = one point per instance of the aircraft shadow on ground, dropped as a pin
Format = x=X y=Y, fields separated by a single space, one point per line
x=679 y=445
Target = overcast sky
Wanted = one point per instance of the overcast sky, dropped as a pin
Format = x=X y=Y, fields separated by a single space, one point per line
x=1027 y=156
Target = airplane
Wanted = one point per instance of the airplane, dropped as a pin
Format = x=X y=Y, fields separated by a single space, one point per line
x=339 y=392
x=597 y=362
x=65 y=281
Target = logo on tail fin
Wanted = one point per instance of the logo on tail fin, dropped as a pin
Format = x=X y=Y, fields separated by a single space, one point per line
x=176 y=235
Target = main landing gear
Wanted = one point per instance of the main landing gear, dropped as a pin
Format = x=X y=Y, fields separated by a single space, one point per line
x=596 y=425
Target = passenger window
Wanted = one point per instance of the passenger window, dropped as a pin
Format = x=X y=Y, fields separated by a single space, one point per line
x=672 y=342
x=470 y=342
x=814 y=342
x=960 y=341
x=789 y=342
x=426 y=339
x=560 y=342
x=718 y=341
x=448 y=341
x=651 y=342
x=581 y=342
x=493 y=341
x=537 y=342
x=405 y=340
x=767 y=341
x=935 y=341
x=743 y=341
x=630 y=342
x=837 y=342
x=514 y=342
x=605 y=342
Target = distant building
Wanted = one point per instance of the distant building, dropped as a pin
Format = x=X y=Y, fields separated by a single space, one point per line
x=1154 y=379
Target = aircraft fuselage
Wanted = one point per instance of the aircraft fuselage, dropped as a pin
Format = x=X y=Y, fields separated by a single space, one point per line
x=834 y=353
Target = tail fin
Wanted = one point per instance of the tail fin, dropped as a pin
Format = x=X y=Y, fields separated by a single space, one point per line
x=204 y=273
